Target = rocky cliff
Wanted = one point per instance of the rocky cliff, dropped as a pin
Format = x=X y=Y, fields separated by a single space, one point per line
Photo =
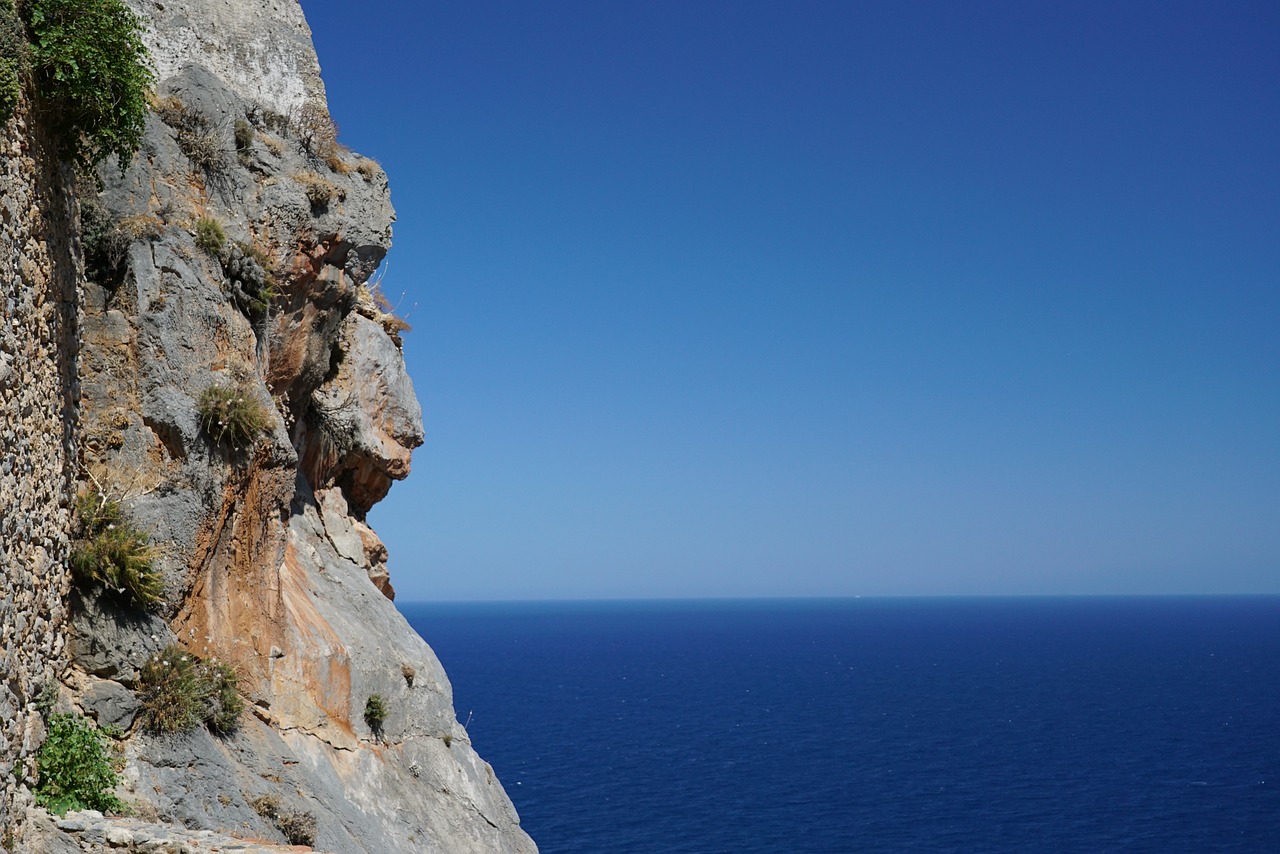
x=232 y=257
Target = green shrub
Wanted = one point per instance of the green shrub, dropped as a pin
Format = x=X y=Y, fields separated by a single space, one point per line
x=75 y=769
x=209 y=236
x=105 y=241
x=225 y=702
x=232 y=414
x=375 y=712
x=92 y=70
x=108 y=550
x=172 y=691
x=178 y=691
x=298 y=827
x=13 y=57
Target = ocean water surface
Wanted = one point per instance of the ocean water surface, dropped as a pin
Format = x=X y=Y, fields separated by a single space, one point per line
x=1057 y=724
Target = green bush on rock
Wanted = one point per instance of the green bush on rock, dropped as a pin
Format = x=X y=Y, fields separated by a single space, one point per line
x=232 y=414
x=75 y=769
x=375 y=712
x=178 y=691
x=92 y=71
x=172 y=691
x=210 y=236
x=251 y=277
x=225 y=704
x=244 y=137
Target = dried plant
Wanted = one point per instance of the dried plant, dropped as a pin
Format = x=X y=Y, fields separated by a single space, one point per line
x=198 y=136
x=298 y=827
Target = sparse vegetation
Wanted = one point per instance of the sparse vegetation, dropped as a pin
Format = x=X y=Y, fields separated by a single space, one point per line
x=210 y=236
x=337 y=163
x=140 y=227
x=298 y=827
x=392 y=323
x=368 y=168
x=447 y=738
x=92 y=71
x=275 y=146
x=105 y=246
x=110 y=551
x=198 y=136
x=232 y=414
x=105 y=241
x=179 y=691
x=375 y=712
x=409 y=672
x=75 y=769
x=315 y=130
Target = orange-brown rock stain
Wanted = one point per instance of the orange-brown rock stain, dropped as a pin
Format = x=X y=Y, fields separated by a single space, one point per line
x=313 y=676
x=234 y=609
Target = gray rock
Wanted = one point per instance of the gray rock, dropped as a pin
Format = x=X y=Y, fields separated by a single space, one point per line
x=112 y=640
x=260 y=48
x=110 y=703
x=369 y=413
x=339 y=527
x=40 y=833
x=119 y=837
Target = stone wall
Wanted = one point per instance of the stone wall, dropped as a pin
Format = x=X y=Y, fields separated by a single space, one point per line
x=38 y=416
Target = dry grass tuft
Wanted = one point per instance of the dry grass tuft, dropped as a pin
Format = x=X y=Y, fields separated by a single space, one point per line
x=319 y=189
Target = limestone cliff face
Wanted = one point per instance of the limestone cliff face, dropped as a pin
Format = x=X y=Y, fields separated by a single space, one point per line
x=267 y=559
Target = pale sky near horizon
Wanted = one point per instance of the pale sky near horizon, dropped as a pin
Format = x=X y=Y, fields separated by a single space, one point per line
x=828 y=298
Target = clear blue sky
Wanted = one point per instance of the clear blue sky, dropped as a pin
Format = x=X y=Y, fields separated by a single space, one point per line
x=828 y=298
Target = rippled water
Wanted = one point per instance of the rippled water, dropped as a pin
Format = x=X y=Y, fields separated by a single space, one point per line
x=1143 y=724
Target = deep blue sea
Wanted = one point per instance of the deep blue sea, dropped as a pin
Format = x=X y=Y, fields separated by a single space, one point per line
x=1057 y=724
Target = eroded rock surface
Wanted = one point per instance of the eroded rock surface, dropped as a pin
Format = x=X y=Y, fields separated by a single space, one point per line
x=268 y=563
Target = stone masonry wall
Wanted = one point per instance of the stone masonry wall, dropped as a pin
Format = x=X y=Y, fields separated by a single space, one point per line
x=38 y=395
